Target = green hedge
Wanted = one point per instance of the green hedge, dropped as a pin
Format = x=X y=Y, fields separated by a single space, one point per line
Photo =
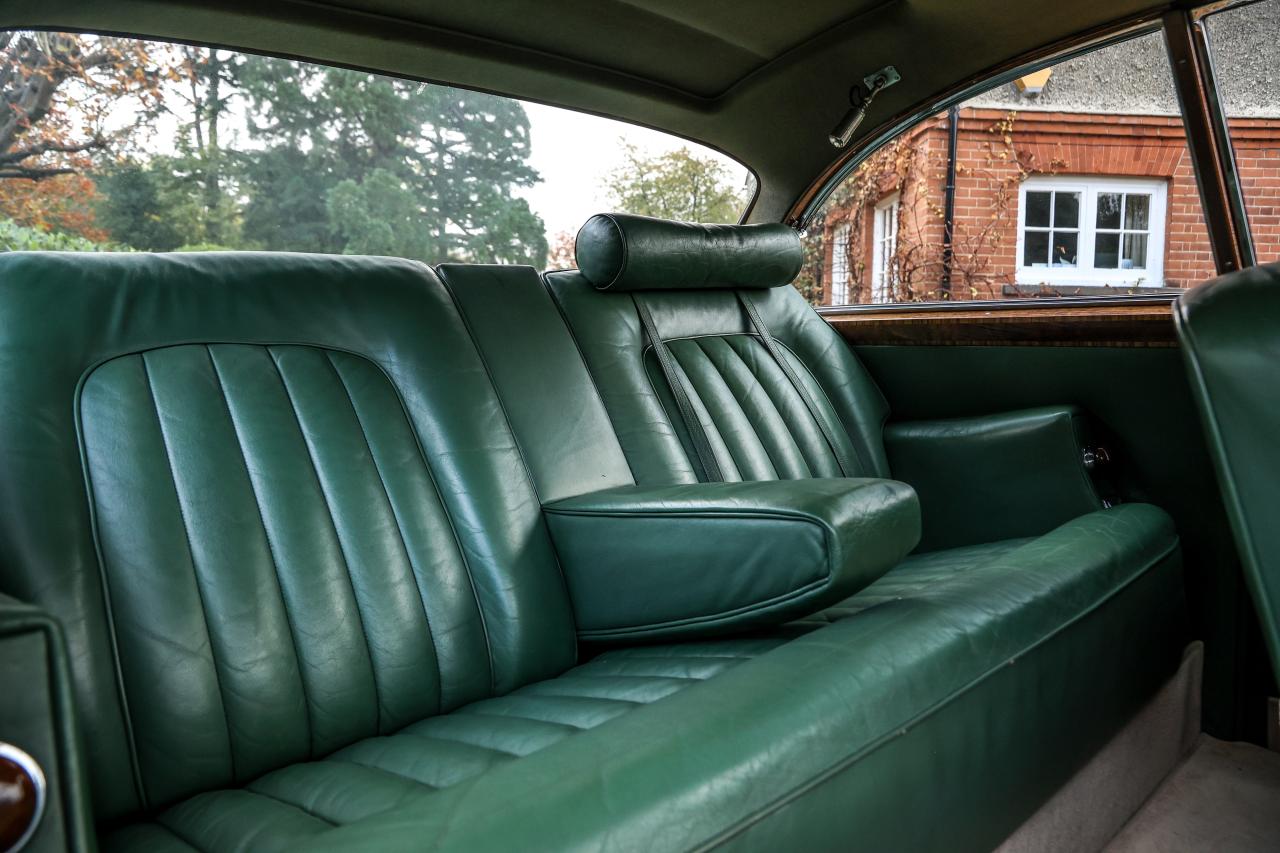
x=18 y=238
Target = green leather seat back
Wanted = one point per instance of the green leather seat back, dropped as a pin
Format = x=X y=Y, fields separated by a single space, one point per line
x=1230 y=333
x=549 y=395
x=756 y=422
x=275 y=503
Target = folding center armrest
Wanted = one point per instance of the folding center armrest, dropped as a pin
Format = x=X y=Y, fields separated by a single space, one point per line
x=706 y=558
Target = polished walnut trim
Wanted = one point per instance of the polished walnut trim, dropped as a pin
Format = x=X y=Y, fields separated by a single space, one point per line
x=1147 y=325
x=22 y=797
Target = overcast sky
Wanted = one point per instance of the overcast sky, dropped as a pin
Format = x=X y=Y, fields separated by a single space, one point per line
x=574 y=152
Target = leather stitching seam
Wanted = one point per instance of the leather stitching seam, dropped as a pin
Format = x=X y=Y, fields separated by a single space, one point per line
x=306 y=811
x=716 y=374
x=121 y=693
x=395 y=774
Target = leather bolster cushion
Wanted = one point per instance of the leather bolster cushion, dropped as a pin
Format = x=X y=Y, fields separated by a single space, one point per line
x=618 y=251
x=994 y=477
x=707 y=558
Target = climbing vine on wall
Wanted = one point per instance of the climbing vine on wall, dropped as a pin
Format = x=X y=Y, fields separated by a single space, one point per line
x=989 y=169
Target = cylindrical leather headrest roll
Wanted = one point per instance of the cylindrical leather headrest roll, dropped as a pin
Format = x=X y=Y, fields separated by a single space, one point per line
x=618 y=251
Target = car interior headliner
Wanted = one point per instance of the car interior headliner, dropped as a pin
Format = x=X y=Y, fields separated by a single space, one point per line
x=762 y=81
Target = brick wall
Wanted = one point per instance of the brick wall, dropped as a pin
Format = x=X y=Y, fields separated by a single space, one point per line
x=1257 y=149
x=996 y=150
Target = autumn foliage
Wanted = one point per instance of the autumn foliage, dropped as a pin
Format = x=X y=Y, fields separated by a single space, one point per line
x=62 y=95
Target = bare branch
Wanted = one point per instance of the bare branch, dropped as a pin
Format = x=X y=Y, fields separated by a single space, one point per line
x=51 y=146
x=35 y=173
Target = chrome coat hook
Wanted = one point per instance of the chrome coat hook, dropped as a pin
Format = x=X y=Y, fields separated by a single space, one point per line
x=860 y=102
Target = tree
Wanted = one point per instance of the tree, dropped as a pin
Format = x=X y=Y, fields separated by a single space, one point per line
x=44 y=75
x=369 y=161
x=563 y=255
x=678 y=185
x=332 y=160
x=210 y=83
x=287 y=207
x=151 y=206
x=379 y=217
x=62 y=203
x=63 y=95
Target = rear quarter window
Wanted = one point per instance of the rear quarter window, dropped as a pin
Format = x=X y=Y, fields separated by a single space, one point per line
x=1070 y=181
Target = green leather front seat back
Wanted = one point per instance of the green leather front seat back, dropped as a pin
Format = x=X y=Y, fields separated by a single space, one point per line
x=274 y=502
x=1230 y=332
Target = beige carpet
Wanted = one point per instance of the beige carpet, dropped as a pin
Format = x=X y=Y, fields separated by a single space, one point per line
x=1091 y=808
x=1224 y=798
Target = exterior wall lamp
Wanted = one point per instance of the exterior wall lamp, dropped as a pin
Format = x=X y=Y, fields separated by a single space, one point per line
x=1033 y=84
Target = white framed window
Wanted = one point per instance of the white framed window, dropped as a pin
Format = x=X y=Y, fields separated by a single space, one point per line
x=884 y=246
x=840 y=265
x=1091 y=231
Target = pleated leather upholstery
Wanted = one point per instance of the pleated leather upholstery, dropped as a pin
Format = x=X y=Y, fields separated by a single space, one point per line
x=758 y=425
x=915 y=576
x=381 y=773
x=274 y=502
x=279 y=510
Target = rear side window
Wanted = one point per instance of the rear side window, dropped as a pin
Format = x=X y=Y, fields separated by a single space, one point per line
x=1243 y=45
x=125 y=144
x=1071 y=181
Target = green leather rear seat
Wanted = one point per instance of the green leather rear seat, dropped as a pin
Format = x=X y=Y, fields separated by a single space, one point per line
x=289 y=518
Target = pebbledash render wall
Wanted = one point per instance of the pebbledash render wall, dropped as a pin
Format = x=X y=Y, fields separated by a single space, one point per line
x=1085 y=125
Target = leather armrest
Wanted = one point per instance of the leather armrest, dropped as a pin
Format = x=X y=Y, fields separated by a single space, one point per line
x=994 y=477
x=705 y=558
x=36 y=716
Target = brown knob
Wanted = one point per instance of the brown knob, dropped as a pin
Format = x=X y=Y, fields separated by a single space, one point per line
x=22 y=793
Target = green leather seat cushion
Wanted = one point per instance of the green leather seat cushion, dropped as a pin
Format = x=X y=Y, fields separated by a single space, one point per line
x=931 y=687
x=982 y=479
x=378 y=773
x=695 y=559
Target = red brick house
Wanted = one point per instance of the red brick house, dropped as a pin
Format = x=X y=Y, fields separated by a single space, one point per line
x=1072 y=182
